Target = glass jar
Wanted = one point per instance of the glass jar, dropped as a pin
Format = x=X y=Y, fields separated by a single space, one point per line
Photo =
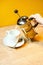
x=26 y=27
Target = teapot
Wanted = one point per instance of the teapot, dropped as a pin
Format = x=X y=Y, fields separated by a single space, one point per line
x=25 y=25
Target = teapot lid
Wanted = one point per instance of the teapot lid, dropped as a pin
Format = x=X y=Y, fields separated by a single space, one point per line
x=22 y=20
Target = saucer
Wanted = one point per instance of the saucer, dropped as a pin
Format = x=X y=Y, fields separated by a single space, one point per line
x=19 y=44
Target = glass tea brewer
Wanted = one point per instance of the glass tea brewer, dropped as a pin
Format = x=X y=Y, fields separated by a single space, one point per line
x=24 y=23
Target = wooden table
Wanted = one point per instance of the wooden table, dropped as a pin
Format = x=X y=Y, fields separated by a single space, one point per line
x=29 y=54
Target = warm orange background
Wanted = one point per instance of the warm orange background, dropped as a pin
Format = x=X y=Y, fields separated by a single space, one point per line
x=25 y=7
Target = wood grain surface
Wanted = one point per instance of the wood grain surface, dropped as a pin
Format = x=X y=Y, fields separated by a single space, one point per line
x=29 y=54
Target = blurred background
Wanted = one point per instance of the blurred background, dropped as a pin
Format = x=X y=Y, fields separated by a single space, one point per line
x=25 y=7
